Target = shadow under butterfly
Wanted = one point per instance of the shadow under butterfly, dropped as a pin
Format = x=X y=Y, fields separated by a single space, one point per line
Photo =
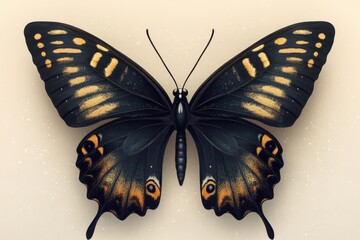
x=121 y=161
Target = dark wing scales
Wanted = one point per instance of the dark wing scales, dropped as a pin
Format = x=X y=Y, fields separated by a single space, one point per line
x=121 y=165
x=270 y=81
x=88 y=80
x=239 y=166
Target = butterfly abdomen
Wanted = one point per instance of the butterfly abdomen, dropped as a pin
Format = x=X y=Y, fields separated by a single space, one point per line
x=180 y=156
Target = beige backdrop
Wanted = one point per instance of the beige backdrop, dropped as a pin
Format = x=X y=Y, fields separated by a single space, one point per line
x=318 y=197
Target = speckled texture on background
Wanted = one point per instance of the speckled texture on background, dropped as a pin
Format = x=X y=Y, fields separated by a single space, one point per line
x=319 y=195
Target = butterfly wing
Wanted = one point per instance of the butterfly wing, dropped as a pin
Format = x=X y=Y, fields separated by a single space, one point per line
x=270 y=81
x=88 y=80
x=239 y=166
x=121 y=164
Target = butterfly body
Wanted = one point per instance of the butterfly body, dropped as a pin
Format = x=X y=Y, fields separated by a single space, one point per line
x=180 y=118
x=121 y=162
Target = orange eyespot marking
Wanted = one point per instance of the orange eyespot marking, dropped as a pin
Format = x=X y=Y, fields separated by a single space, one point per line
x=209 y=189
x=90 y=144
x=153 y=189
x=269 y=144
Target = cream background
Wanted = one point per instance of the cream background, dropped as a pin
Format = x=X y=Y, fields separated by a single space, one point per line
x=318 y=197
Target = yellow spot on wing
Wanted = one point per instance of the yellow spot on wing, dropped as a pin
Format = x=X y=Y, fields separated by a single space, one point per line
x=67 y=50
x=258 y=110
x=77 y=80
x=292 y=50
x=40 y=45
x=102 y=48
x=290 y=70
x=110 y=68
x=316 y=54
x=264 y=100
x=273 y=90
x=302 y=32
x=311 y=63
x=95 y=59
x=43 y=54
x=301 y=42
x=57 y=32
x=322 y=36
x=91 y=102
x=70 y=70
x=65 y=59
x=318 y=45
x=249 y=67
x=294 y=59
x=282 y=80
x=37 y=36
x=79 y=41
x=258 y=48
x=86 y=90
x=57 y=42
x=280 y=41
x=101 y=110
x=48 y=63
x=264 y=59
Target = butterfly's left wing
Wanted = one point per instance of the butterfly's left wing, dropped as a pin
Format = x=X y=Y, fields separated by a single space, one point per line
x=239 y=166
x=121 y=164
x=271 y=80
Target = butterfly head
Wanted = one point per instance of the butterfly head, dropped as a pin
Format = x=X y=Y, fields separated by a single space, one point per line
x=180 y=93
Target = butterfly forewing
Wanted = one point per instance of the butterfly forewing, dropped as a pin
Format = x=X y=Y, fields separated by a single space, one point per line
x=272 y=80
x=88 y=80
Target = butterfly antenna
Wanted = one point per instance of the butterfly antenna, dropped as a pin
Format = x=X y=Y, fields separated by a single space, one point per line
x=212 y=34
x=148 y=35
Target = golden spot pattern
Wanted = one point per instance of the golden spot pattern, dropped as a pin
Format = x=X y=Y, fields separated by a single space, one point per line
x=258 y=48
x=249 y=67
x=79 y=41
x=280 y=41
x=264 y=59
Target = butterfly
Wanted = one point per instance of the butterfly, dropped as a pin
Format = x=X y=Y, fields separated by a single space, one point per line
x=120 y=162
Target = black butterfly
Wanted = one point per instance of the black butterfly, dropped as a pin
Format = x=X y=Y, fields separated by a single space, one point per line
x=121 y=161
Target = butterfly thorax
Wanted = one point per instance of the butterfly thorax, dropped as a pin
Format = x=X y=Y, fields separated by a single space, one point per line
x=180 y=110
x=180 y=118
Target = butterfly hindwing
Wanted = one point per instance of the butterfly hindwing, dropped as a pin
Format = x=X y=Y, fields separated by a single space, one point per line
x=239 y=166
x=271 y=80
x=88 y=80
x=121 y=165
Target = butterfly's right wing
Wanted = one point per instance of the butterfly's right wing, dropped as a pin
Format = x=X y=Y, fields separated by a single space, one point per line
x=121 y=165
x=88 y=80
x=271 y=80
